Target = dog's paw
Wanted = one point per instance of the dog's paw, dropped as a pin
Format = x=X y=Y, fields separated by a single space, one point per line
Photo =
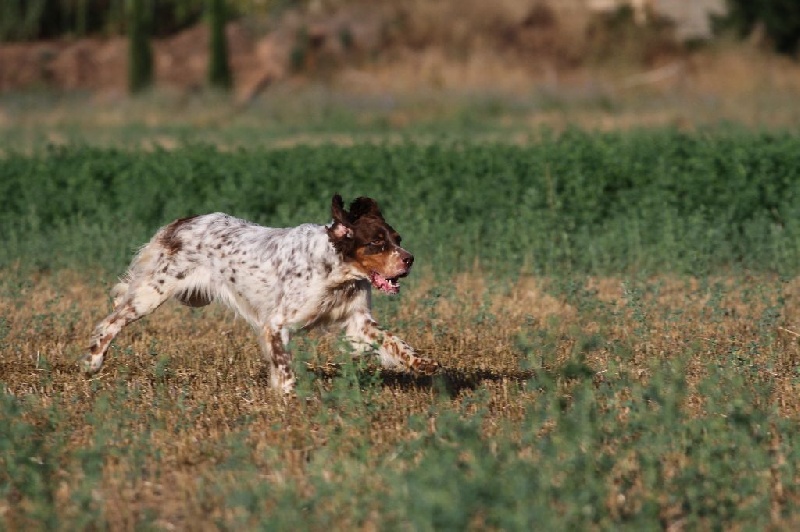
x=425 y=366
x=90 y=364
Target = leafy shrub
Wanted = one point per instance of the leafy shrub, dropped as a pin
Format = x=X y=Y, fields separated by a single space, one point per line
x=657 y=201
x=47 y=19
x=780 y=20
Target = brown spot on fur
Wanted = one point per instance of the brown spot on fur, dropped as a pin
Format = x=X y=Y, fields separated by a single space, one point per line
x=97 y=346
x=279 y=355
x=169 y=237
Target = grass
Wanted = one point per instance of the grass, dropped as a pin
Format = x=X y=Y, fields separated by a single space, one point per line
x=616 y=315
x=735 y=86
x=598 y=402
x=645 y=201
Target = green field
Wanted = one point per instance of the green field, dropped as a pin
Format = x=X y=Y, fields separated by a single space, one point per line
x=616 y=314
x=577 y=202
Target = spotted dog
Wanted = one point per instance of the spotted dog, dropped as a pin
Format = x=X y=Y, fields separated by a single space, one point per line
x=278 y=279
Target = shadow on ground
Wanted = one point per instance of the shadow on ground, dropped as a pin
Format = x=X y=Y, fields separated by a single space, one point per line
x=451 y=381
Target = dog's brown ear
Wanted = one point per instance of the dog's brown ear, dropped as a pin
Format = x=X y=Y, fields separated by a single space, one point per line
x=364 y=206
x=337 y=209
x=340 y=229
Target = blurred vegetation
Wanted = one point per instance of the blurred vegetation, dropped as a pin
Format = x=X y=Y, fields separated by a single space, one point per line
x=414 y=22
x=651 y=200
x=46 y=19
x=219 y=70
x=778 y=19
x=140 y=53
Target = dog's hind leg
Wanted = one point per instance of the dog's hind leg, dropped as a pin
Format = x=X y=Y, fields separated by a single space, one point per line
x=148 y=285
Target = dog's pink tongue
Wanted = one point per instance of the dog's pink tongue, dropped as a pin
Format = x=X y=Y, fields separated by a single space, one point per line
x=381 y=283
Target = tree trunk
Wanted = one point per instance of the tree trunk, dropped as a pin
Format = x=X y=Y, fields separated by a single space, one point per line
x=140 y=56
x=219 y=72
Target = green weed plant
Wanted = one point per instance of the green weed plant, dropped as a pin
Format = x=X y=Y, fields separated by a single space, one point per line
x=611 y=202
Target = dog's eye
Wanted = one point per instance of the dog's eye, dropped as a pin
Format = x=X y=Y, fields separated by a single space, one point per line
x=377 y=243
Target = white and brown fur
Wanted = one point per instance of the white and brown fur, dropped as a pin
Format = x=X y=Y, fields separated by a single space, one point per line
x=278 y=280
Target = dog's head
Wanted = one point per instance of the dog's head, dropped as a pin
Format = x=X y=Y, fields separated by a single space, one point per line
x=363 y=237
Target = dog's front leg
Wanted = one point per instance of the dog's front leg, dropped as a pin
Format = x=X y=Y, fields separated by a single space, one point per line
x=275 y=346
x=364 y=333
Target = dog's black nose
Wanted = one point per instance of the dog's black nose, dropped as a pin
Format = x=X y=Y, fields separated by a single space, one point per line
x=408 y=260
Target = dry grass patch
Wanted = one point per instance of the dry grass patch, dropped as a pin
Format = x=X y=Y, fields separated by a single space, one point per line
x=470 y=323
x=191 y=384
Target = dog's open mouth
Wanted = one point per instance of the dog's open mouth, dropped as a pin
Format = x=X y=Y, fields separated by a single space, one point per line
x=388 y=285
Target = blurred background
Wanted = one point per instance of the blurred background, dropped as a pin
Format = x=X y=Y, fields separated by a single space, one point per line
x=85 y=68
